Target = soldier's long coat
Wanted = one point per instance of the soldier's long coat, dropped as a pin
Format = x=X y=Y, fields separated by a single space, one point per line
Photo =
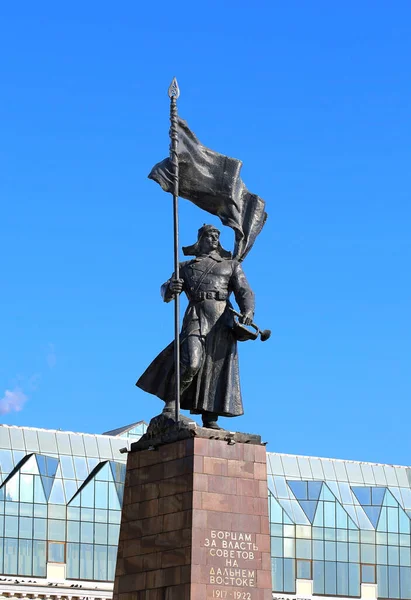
x=216 y=387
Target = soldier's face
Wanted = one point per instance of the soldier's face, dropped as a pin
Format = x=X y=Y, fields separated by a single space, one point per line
x=209 y=241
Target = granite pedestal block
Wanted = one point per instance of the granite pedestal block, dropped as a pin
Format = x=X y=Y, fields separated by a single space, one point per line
x=195 y=519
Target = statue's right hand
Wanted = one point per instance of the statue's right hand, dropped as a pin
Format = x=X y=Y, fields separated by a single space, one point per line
x=176 y=286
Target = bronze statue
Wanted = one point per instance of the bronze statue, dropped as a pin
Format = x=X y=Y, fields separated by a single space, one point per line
x=207 y=380
x=210 y=383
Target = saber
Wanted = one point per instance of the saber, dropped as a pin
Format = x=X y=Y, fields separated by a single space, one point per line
x=265 y=334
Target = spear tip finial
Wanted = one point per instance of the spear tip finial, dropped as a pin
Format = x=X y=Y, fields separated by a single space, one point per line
x=174 y=90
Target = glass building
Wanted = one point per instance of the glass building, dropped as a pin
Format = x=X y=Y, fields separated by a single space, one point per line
x=60 y=505
x=339 y=529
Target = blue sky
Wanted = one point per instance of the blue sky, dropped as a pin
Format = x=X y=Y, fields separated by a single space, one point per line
x=314 y=98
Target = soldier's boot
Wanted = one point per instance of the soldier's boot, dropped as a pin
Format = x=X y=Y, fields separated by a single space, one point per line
x=170 y=405
x=210 y=420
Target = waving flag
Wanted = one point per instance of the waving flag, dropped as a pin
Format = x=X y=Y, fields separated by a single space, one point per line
x=212 y=181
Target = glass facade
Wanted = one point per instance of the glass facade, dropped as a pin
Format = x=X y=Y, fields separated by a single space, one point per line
x=340 y=524
x=60 y=501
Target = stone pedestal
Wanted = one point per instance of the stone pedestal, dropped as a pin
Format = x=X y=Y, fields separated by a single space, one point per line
x=195 y=519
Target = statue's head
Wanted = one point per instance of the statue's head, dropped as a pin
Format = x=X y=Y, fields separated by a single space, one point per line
x=208 y=240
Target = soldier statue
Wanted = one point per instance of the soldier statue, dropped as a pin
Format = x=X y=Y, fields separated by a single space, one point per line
x=210 y=383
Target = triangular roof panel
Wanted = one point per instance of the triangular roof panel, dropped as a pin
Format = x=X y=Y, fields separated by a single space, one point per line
x=121 y=430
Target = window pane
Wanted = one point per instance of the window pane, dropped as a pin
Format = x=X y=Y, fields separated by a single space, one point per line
x=56 y=530
x=367 y=573
x=100 y=533
x=303 y=549
x=26 y=488
x=77 y=445
x=330 y=578
x=303 y=569
x=318 y=577
x=70 y=486
x=63 y=442
x=367 y=553
x=4 y=437
x=393 y=555
x=104 y=447
x=276 y=572
x=101 y=516
x=56 y=552
x=87 y=514
x=342 y=578
x=11 y=526
x=40 y=510
x=382 y=574
x=67 y=467
x=81 y=467
x=25 y=557
x=26 y=510
x=405 y=582
x=104 y=473
x=73 y=513
x=91 y=446
x=26 y=527
x=405 y=558
x=47 y=440
x=330 y=551
x=318 y=549
x=40 y=529
x=382 y=556
x=113 y=500
x=10 y=556
x=73 y=561
x=394 y=582
x=12 y=489
x=289 y=576
x=114 y=516
x=92 y=463
x=11 y=508
x=57 y=512
x=86 y=561
x=39 y=496
x=276 y=546
x=329 y=514
x=6 y=460
x=392 y=519
x=57 y=493
x=112 y=559
x=114 y=532
x=87 y=532
x=87 y=495
x=100 y=563
x=17 y=441
x=289 y=548
x=354 y=580
x=32 y=443
x=342 y=551
x=102 y=494
x=73 y=531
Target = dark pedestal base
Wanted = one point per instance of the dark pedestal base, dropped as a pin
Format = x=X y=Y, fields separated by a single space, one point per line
x=195 y=519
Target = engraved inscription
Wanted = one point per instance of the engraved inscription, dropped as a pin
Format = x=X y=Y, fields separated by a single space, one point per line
x=229 y=556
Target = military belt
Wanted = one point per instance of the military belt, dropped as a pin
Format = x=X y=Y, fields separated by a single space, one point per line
x=200 y=296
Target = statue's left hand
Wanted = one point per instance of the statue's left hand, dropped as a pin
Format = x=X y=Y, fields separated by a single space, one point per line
x=247 y=318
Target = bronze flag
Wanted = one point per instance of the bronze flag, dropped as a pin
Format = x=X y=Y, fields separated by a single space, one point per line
x=212 y=181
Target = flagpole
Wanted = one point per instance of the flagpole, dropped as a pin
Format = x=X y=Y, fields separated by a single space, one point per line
x=173 y=94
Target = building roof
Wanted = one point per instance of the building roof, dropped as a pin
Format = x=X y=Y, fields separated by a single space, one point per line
x=124 y=429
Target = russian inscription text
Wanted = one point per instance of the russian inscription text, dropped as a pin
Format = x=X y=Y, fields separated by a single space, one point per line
x=232 y=562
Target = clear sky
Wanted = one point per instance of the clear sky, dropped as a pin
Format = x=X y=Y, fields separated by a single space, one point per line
x=314 y=97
